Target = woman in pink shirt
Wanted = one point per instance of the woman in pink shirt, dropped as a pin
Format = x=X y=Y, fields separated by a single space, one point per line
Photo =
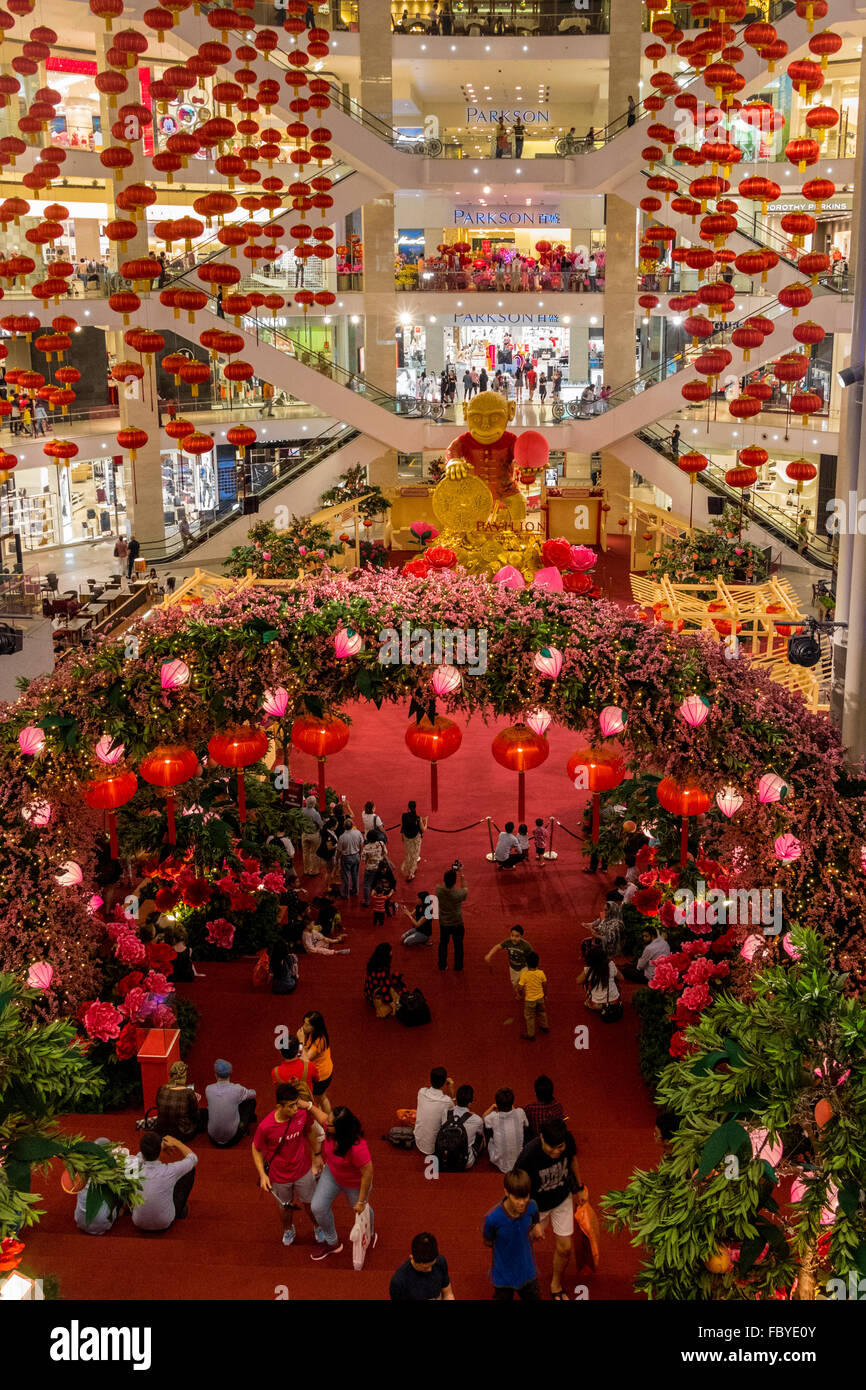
x=348 y=1169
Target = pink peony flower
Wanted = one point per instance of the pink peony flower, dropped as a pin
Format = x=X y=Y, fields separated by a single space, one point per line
x=582 y=558
x=102 y=1021
x=128 y=949
x=136 y=1005
x=699 y=971
x=162 y=1017
x=666 y=976
x=220 y=932
x=696 y=997
x=274 y=882
x=156 y=983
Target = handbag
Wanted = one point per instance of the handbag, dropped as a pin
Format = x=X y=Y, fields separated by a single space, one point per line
x=588 y=1248
x=383 y=1008
x=361 y=1237
x=611 y=1011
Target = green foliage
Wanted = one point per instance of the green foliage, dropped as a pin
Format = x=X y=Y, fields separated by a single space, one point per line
x=283 y=549
x=761 y=1064
x=652 y=1007
x=44 y=1073
x=351 y=484
x=711 y=555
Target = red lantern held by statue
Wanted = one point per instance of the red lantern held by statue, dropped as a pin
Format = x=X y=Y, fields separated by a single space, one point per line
x=433 y=740
x=683 y=801
x=168 y=766
x=520 y=750
x=108 y=793
x=238 y=747
x=595 y=770
x=320 y=738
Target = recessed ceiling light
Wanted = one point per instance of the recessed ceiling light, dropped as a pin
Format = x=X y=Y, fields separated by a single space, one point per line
x=593 y=320
x=432 y=319
x=486 y=188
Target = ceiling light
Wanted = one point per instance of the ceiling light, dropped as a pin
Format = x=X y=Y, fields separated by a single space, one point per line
x=644 y=320
x=486 y=188
x=355 y=318
x=432 y=319
x=593 y=320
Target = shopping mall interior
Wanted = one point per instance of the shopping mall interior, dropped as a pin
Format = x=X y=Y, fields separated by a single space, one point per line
x=536 y=322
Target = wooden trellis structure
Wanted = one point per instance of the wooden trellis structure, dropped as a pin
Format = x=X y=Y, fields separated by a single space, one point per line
x=749 y=611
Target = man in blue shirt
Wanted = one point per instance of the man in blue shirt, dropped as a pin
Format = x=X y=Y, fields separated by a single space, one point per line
x=509 y=1230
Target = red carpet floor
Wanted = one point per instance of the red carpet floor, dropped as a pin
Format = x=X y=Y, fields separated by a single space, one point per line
x=229 y=1248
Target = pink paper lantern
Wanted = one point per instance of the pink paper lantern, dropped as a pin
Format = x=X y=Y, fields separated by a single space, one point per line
x=40 y=975
x=70 y=874
x=173 y=674
x=789 y=946
x=612 y=720
x=538 y=720
x=549 y=578
x=509 y=578
x=31 y=740
x=750 y=946
x=549 y=662
x=109 y=752
x=446 y=679
x=531 y=450
x=94 y=903
x=694 y=710
x=582 y=558
x=771 y=788
x=276 y=702
x=788 y=848
x=38 y=813
x=763 y=1148
x=729 y=801
x=347 y=642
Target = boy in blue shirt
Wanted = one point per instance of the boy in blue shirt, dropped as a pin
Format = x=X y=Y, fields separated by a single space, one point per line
x=509 y=1230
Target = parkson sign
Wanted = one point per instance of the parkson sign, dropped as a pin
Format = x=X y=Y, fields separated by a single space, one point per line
x=490 y=115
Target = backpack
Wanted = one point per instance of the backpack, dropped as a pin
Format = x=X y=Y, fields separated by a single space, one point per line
x=401 y=1136
x=452 y=1145
x=413 y=1009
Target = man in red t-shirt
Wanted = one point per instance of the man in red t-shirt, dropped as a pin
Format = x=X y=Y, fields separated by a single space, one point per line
x=293 y=1068
x=286 y=1141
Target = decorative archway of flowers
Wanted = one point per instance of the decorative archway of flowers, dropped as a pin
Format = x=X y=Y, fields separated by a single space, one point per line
x=691 y=715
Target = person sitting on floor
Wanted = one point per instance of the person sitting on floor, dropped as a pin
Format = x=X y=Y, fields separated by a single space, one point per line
x=507 y=852
x=165 y=1186
x=231 y=1108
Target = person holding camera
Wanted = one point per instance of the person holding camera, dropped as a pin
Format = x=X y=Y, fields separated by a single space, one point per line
x=449 y=898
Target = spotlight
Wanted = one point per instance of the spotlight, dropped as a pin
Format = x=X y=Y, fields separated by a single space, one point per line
x=804 y=649
x=850 y=376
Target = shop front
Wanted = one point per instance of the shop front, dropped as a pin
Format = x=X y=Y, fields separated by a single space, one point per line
x=49 y=506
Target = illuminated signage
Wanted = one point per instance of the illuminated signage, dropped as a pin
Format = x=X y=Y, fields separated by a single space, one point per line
x=515 y=320
x=506 y=217
x=481 y=115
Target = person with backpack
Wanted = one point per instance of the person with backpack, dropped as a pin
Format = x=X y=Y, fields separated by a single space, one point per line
x=509 y=1230
x=431 y=1109
x=461 y=1136
x=412 y=827
x=348 y=1169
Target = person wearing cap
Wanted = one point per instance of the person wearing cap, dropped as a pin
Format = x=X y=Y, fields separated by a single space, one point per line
x=106 y=1213
x=177 y=1109
x=230 y=1107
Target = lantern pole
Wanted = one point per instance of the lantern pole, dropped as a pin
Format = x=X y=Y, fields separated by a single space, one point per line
x=434 y=786
x=112 y=836
x=521 y=797
x=596 y=816
x=322 y=784
x=684 y=842
x=169 y=811
x=242 y=795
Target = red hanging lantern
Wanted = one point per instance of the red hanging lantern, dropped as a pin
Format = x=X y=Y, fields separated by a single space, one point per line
x=108 y=793
x=801 y=471
x=433 y=740
x=168 y=766
x=741 y=477
x=805 y=403
x=683 y=801
x=520 y=750
x=238 y=747
x=596 y=770
x=809 y=334
x=320 y=738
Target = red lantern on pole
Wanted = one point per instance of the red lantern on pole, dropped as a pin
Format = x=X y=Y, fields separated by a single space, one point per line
x=433 y=740
x=683 y=801
x=520 y=750
x=239 y=747
x=168 y=766
x=108 y=793
x=319 y=738
x=595 y=770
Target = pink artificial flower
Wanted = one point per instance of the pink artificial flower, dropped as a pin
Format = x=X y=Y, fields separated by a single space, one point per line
x=665 y=975
x=274 y=882
x=156 y=983
x=162 y=1017
x=695 y=997
x=102 y=1021
x=699 y=971
x=220 y=932
x=136 y=1005
x=128 y=949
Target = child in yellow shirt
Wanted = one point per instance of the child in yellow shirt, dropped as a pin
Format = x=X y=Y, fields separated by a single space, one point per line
x=532 y=985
